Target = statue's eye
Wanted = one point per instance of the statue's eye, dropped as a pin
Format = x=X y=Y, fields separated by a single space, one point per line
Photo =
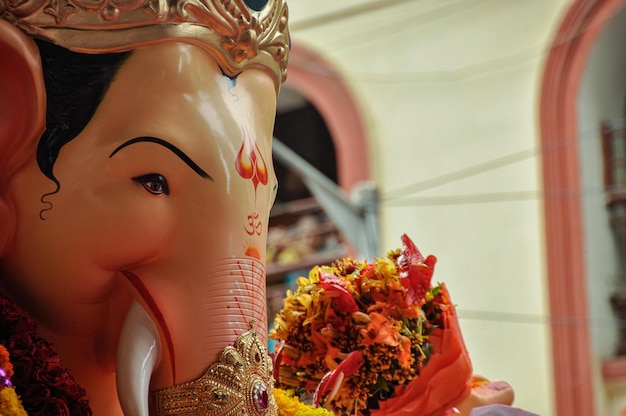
x=154 y=183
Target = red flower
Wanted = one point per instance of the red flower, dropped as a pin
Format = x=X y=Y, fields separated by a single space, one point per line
x=415 y=272
x=331 y=382
x=51 y=373
x=70 y=387
x=20 y=345
x=338 y=290
x=36 y=393
x=55 y=407
x=44 y=386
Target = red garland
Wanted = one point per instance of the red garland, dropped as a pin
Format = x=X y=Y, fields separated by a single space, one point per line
x=44 y=386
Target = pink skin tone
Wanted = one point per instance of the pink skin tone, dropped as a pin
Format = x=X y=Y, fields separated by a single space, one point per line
x=109 y=238
x=483 y=393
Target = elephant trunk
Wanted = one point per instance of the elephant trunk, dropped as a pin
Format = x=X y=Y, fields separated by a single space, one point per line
x=178 y=327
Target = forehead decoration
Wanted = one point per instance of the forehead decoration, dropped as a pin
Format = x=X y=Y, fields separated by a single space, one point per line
x=238 y=34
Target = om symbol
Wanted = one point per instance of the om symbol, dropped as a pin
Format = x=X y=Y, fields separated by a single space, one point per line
x=254 y=224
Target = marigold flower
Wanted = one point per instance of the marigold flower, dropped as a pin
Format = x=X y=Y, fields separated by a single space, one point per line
x=10 y=404
x=290 y=405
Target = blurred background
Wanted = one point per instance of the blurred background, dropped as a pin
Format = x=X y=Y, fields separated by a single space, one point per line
x=492 y=133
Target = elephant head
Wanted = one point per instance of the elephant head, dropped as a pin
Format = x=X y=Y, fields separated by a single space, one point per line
x=135 y=192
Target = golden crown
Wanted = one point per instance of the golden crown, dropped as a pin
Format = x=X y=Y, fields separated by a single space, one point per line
x=236 y=35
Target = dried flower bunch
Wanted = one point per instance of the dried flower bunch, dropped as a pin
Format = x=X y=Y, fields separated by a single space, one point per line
x=359 y=336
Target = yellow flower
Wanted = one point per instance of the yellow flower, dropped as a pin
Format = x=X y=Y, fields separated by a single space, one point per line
x=290 y=405
x=10 y=404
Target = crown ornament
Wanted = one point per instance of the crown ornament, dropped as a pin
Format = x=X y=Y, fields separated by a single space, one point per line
x=239 y=383
x=236 y=35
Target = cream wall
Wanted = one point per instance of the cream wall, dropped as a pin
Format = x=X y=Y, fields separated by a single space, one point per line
x=602 y=94
x=449 y=90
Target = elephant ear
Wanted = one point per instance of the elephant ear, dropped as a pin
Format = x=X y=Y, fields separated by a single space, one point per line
x=22 y=111
x=22 y=98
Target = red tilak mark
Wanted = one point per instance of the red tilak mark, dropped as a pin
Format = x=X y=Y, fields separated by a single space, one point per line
x=156 y=312
x=247 y=281
x=261 y=271
x=250 y=163
x=244 y=277
x=248 y=278
x=240 y=311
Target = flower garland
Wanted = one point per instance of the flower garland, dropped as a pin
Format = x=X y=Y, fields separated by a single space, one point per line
x=358 y=335
x=290 y=405
x=10 y=404
x=44 y=386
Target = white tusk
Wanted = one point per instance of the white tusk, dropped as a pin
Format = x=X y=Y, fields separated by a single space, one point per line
x=138 y=353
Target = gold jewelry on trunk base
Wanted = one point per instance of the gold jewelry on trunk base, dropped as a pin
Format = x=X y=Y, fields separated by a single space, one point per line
x=239 y=383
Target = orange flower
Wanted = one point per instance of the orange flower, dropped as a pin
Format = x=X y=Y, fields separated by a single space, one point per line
x=405 y=353
x=380 y=331
x=5 y=362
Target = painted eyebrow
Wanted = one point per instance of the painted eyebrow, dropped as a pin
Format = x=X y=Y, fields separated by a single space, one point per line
x=168 y=146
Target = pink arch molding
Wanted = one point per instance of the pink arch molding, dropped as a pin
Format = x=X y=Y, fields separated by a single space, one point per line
x=564 y=68
x=324 y=87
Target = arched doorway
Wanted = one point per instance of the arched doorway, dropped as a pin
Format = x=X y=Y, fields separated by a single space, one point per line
x=564 y=69
x=310 y=75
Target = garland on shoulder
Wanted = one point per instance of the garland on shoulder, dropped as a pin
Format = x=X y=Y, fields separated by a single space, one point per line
x=42 y=384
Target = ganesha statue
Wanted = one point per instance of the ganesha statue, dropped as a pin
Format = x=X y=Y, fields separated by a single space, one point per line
x=136 y=181
x=135 y=188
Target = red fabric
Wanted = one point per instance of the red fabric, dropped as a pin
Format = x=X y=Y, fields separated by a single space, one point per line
x=445 y=380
